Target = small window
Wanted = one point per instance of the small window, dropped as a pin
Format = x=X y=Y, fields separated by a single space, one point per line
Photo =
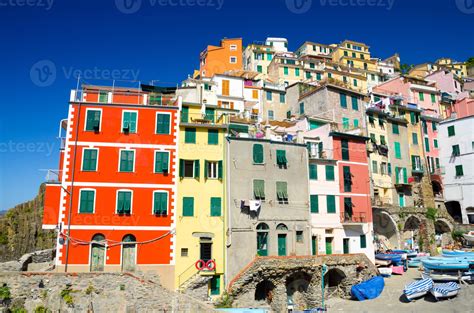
x=213 y=136
x=297 y=72
x=281 y=160
x=382 y=140
x=184 y=252
x=127 y=161
x=313 y=171
x=374 y=167
x=414 y=137
x=213 y=169
x=395 y=129
x=86 y=201
x=345 y=123
x=255 y=94
x=258 y=153
x=160 y=203
x=233 y=60
x=299 y=236
x=331 y=203
x=433 y=98
x=421 y=96
x=89 y=160
x=355 y=102
x=398 y=153
x=282 y=98
x=190 y=135
x=427 y=144
x=189 y=168
x=162 y=124
x=103 y=97
x=161 y=162
x=285 y=70
x=129 y=122
x=259 y=189
x=93 y=118
x=282 y=192
x=124 y=202
x=363 y=241
x=301 y=108
x=451 y=131
x=343 y=100
x=269 y=95
x=188 y=206
x=347 y=176
x=216 y=206
x=456 y=150
x=314 y=203
x=345 y=149
x=330 y=173
x=233 y=47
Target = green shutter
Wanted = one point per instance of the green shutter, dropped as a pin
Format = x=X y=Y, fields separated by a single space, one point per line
x=160 y=203
x=257 y=153
x=87 y=201
x=190 y=135
x=433 y=126
x=126 y=161
x=435 y=143
x=163 y=124
x=197 y=169
x=459 y=170
x=433 y=98
x=412 y=118
x=185 y=114
x=216 y=206
x=212 y=136
x=281 y=158
x=345 y=149
x=206 y=164
x=282 y=98
x=89 y=161
x=343 y=100
x=93 y=120
x=314 y=203
x=456 y=150
x=331 y=203
x=330 y=172
x=124 y=199
x=161 y=161
x=345 y=123
x=313 y=171
x=285 y=70
x=215 y=285
x=363 y=241
x=259 y=189
x=282 y=190
x=389 y=169
x=451 y=131
x=210 y=115
x=130 y=122
x=427 y=145
x=422 y=96
x=414 y=137
x=395 y=129
x=181 y=168
x=398 y=153
x=188 y=206
x=220 y=169
x=356 y=123
x=347 y=178
x=355 y=104
x=405 y=176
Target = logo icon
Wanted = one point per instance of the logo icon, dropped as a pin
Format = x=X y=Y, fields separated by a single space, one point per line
x=298 y=6
x=128 y=6
x=43 y=73
x=465 y=6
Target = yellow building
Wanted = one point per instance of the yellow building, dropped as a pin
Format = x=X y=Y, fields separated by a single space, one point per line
x=354 y=54
x=355 y=81
x=285 y=68
x=201 y=222
x=458 y=68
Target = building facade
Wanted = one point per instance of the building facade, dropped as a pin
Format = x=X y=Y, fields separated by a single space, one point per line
x=220 y=59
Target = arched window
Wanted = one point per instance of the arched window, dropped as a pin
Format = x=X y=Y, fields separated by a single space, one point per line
x=98 y=238
x=262 y=226
x=129 y=251
x=262 y=239
x=129 y=238
x=97 y=253
x=282 y=227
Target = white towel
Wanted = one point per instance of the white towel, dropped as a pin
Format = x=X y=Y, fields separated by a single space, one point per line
x=255 y=205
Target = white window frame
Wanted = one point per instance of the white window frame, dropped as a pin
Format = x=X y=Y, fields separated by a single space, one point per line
x=156 y=122
x=100 y=122
x=154 y=160
x=215 y=170
x=134 y=159
x=79 y=203
x=136 y=122
x=167 y=202
x=96 y=163
x=231 y=58
x=116 y=200
x=233 y=47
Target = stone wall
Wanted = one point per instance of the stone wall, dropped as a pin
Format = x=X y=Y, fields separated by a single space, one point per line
x=37 y=261
x=105 y=292
x=297 y=277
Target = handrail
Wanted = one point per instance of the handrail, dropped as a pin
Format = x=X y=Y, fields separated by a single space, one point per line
x=193 y=265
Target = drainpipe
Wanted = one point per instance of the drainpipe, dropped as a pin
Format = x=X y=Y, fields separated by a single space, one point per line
x=229 y=219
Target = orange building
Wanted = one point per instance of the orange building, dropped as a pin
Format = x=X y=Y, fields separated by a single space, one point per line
x=220 y=59
x=114 y=195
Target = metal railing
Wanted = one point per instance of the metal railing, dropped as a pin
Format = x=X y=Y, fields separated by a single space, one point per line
x=347 y=217
x=53 y=175
x=123 y=97
x=205 y=119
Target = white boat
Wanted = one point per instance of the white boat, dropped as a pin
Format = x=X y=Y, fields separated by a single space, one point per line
x=447 y=290
x=418 y=288
x=382 y=262
x=385 y=271
x=469 y=237
x=447 y=277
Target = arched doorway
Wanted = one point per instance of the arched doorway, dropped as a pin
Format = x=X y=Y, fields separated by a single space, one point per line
x=412 y=223
x=454 y=209
x=282 y=234
x=262 y=239
x=442 y=233
x=264 y=291
x=386 y=231
x=97 y=253
x=129 y=253
x=334 y=278
x=437 y=189
x=296 y=288
x=411 y=232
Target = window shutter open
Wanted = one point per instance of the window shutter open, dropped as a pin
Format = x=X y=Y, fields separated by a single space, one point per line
x=196 y=169
x=181 y=168
x=220 y=170
x=206 y=164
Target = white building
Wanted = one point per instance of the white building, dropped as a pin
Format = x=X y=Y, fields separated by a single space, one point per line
x=456 y=137
x=278 y=44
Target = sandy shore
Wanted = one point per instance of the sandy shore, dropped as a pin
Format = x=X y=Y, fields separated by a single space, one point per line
x=391 y=300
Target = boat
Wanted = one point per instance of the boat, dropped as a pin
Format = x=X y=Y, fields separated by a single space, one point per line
x=469 y=237
x=449 y=276
x=394 y=258
x=457 y=253
x=385 y=271
x=414 y=263
x=369 y=289
x=418 y=288
x=454 y=264
x=382 y=262
x=447 y=290
x=399 y=270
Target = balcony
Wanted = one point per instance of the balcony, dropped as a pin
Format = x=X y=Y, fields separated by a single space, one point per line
x=109 y=95
x=381 y=202
x=53 y=176
x=348 y=218
x=203 y=120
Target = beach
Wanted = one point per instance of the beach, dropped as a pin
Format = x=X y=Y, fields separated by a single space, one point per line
x=392 y=299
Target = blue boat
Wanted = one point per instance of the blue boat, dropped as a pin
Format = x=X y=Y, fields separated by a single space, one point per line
x=457 y=253
x=445 y=264
x=418 y=288
x=395 y=258
x=369 y=289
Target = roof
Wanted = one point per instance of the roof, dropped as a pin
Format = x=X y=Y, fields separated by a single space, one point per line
x=244 y=74
x=229 y=138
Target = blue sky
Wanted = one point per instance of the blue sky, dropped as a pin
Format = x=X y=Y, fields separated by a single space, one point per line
x=44 y=43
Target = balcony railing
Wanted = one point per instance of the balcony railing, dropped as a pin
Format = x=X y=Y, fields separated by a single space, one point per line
x=213 y=119
x=353 y=218
x=53 y=176
x=123 y=97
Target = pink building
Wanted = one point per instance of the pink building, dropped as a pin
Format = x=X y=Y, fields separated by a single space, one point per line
x=445 y=81
x=460 y=108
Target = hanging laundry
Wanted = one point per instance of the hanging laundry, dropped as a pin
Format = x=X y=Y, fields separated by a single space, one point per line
x=255 y=205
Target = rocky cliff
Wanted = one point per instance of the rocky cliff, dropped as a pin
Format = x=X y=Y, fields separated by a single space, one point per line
x=20 y=229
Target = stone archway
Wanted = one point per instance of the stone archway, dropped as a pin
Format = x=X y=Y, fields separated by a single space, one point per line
x=454 y=209
x=411 y=232
x=437 y=188
x=412 y=223
x=297 y=285
x=443 y=231
x=386 y=230
x=334 y=277
x=264 y=291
